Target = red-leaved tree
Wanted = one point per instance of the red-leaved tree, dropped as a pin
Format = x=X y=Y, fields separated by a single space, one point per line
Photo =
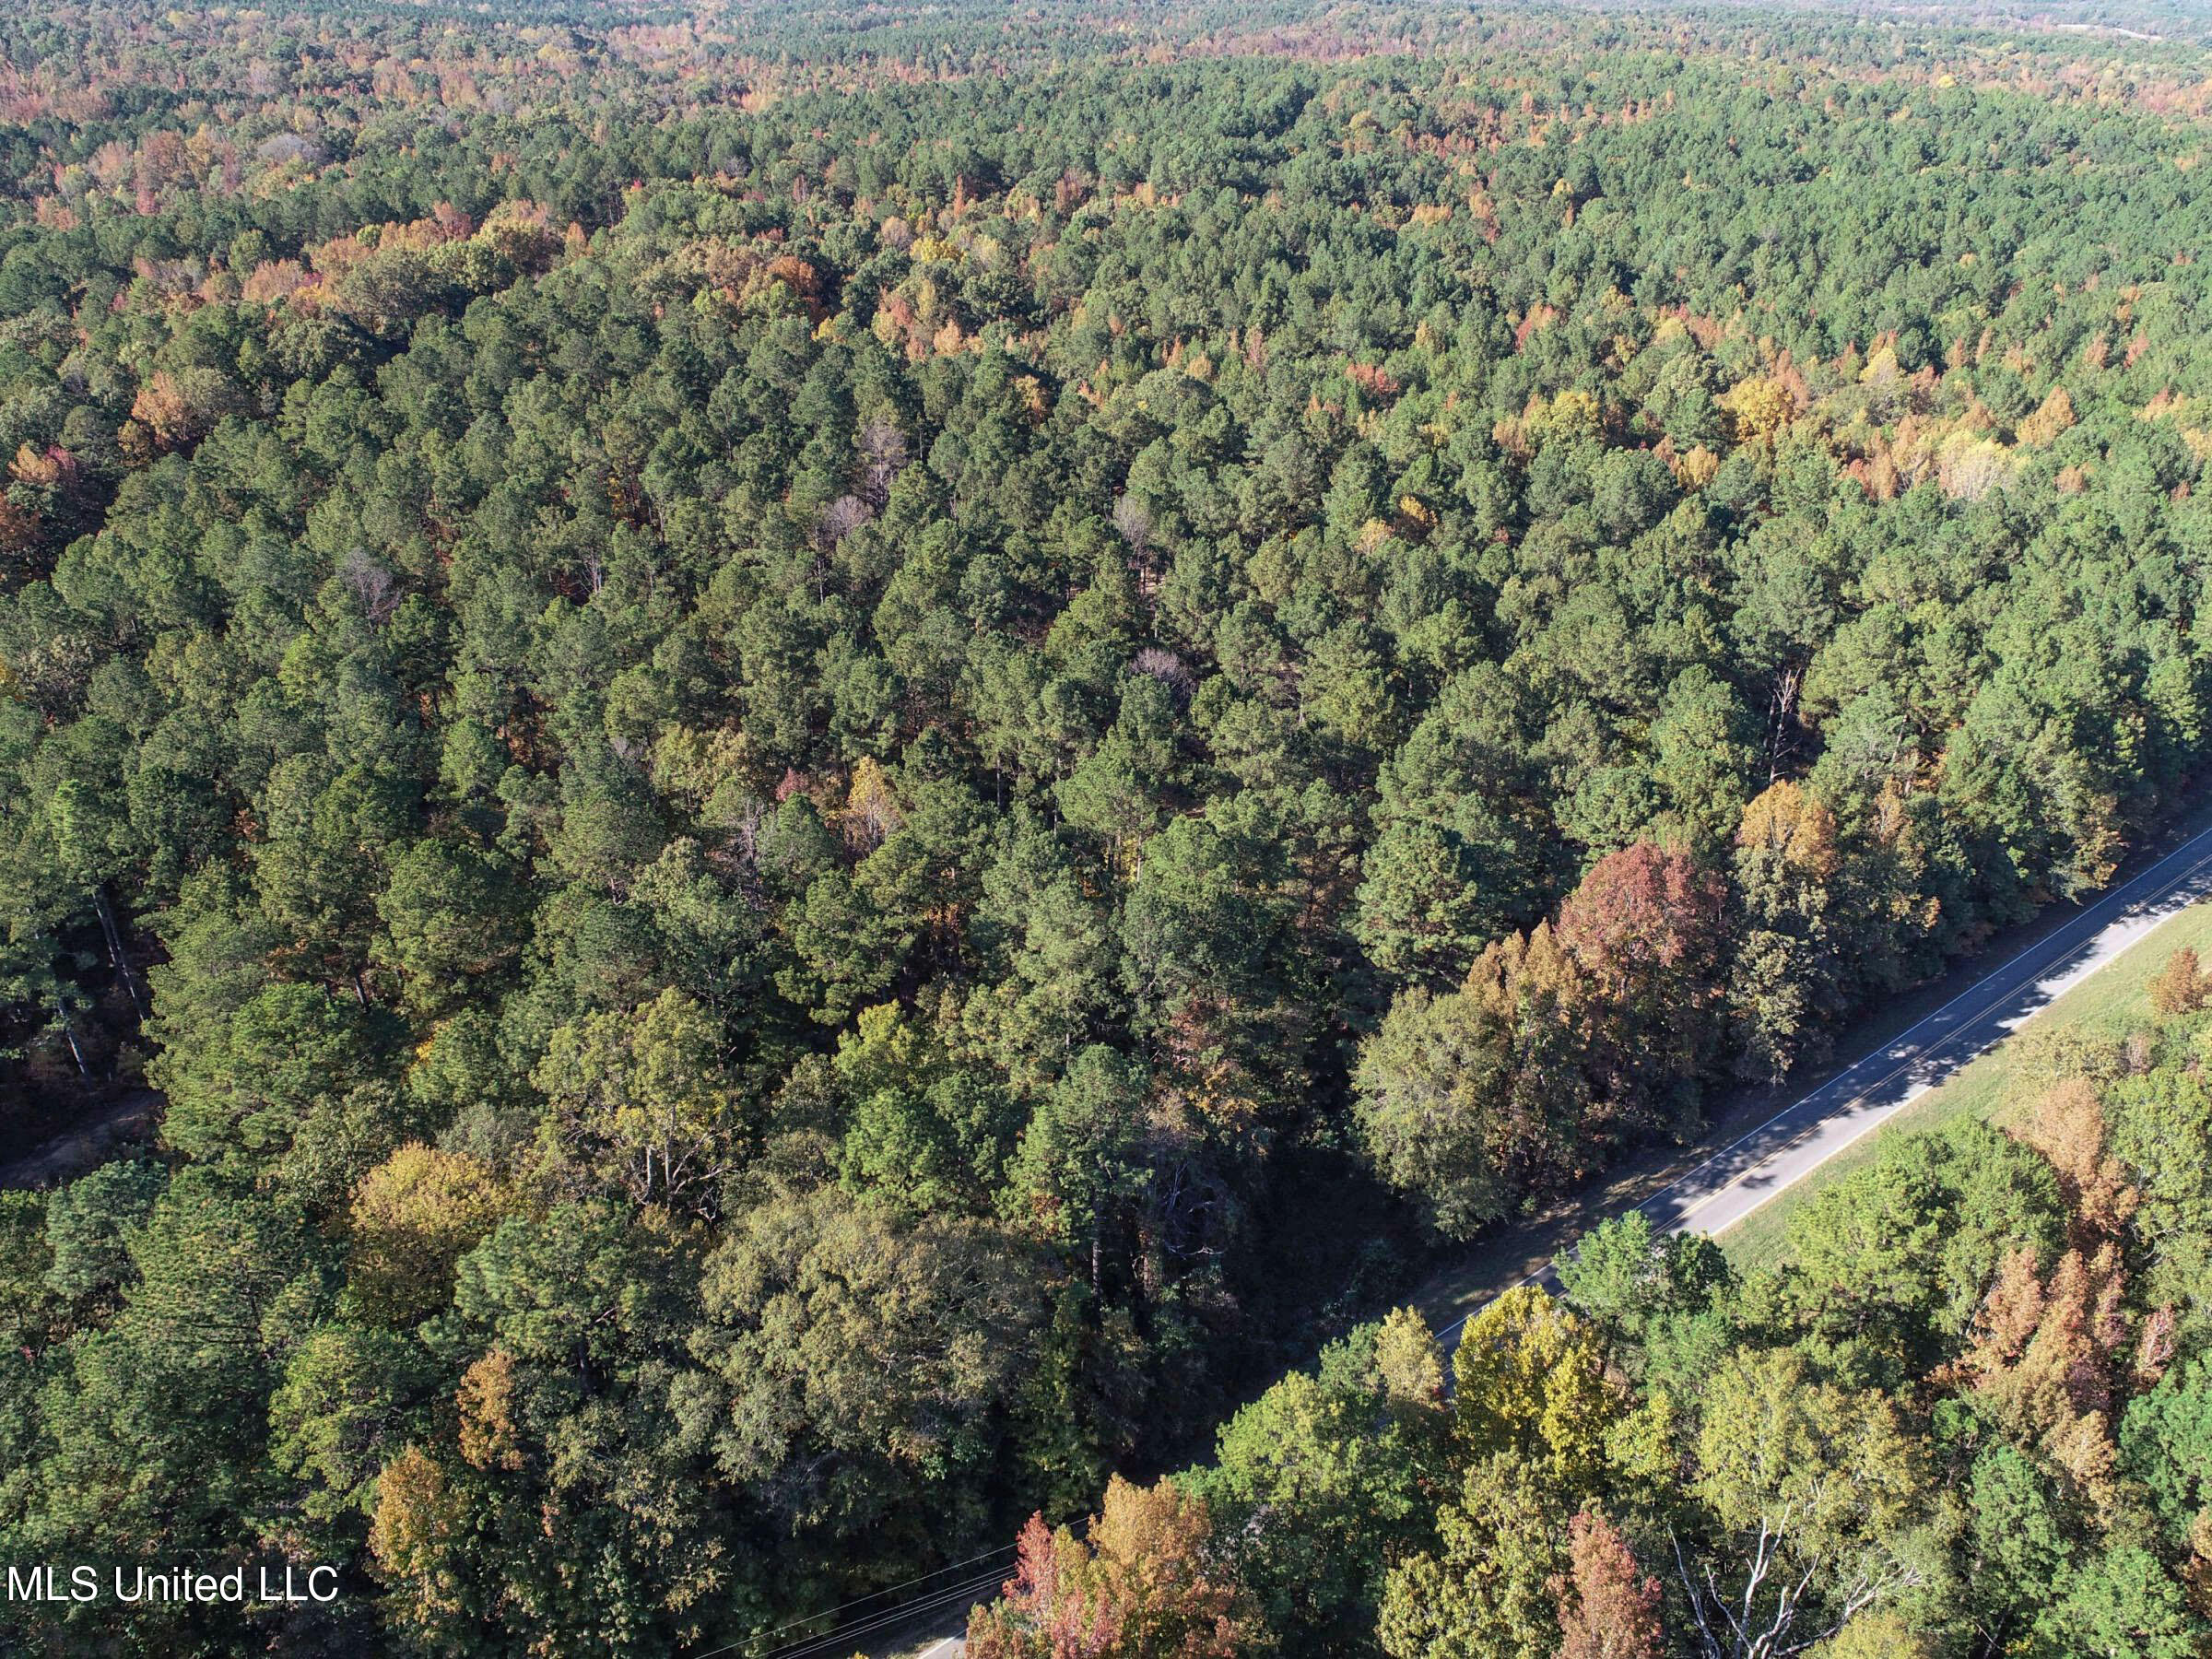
x=1608 y=1610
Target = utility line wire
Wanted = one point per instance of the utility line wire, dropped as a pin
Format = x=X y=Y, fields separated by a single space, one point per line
x=829 y=1639
x=1004 y=1549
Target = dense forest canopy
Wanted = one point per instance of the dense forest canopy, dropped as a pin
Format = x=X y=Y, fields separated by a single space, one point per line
x=825 y=766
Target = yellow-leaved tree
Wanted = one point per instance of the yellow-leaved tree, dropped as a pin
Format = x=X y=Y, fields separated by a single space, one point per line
x=1531 y=1380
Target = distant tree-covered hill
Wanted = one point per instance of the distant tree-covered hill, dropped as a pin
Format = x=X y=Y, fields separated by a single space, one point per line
x=834 y=761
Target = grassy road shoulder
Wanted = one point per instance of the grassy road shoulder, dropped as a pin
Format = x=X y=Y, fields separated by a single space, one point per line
x=1998 y=1083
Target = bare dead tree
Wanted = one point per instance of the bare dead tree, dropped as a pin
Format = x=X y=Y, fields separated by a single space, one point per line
x=374 y=586
x=883 y=456
x=1769 y=1616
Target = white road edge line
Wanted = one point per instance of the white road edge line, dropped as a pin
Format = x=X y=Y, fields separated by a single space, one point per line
x=1889 y=1049
x=2119 y=899
x=1682 y=1222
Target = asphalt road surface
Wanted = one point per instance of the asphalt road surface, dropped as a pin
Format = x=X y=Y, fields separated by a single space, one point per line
x=1984 y=1002
x=1707 y=1190
x=1744 y=1175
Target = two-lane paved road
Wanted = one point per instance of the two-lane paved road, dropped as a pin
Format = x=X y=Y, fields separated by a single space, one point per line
x=1713 y=1187
x=1745 y=1173
x=1726 y=1184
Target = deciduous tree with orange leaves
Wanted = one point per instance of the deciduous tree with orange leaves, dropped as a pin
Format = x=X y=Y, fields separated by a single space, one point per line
x=1149 y=1580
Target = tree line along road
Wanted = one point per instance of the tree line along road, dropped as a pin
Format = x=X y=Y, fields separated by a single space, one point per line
x=1769 y=1139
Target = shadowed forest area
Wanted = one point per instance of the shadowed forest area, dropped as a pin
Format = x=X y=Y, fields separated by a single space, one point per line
x=824 y=766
